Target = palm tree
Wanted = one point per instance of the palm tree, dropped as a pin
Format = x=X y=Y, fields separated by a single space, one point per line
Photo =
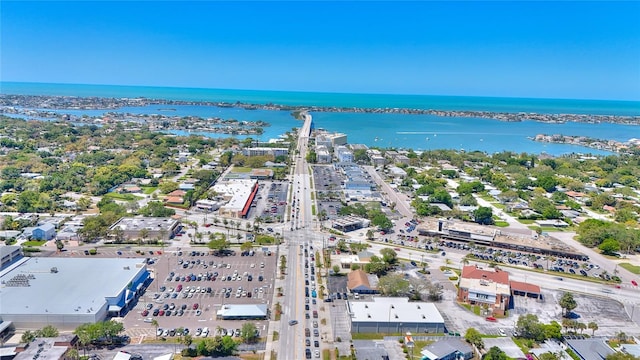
x=143 y=234
x=248 y=226
x=593 y=326
x=581 y=326
x=155 y=324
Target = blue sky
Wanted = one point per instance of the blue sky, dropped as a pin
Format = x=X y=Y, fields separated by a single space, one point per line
x=565 y=49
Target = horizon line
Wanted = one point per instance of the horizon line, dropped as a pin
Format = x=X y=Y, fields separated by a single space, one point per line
x=317 y=92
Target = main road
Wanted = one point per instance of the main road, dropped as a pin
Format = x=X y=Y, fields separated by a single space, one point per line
x=297 y=232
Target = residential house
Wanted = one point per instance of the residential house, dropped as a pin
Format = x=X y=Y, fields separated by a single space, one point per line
x=46 y=231
x=452 y=348
x=590 y=349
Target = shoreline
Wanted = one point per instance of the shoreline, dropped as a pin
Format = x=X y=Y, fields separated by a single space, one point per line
x=12 y=102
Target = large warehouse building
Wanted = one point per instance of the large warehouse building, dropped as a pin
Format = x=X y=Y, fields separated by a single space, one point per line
x=67 y=292
x=395 y=315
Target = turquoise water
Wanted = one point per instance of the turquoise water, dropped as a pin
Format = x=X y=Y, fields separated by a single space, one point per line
x=553 y=106
x=420 y=132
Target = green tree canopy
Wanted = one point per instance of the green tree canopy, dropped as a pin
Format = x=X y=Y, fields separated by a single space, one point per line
x=567 y=303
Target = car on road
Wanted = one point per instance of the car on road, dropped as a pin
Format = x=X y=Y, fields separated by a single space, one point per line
x=635 y=283
x=491 y=318
x=293 y=322
x=501 y=332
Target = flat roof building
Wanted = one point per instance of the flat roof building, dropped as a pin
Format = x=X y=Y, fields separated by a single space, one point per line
x=67 y=292
x=9 y=254
x=243 y=312
x=394 y=315
x=157 y=227
x=237 y=193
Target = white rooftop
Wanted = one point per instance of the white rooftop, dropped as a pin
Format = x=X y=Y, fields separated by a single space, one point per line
x=79 y=283
x=389 y=309
x=237 y=191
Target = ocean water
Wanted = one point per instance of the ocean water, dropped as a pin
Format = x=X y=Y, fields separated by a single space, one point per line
x=420 y=132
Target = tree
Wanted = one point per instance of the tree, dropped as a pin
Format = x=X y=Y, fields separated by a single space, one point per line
x=155 y=324
x=549 y=356
x=389 y=256
x=376 y=266
x=474 y=337
x=218 y=245
x=609 y=246
x=567 y=303
x=48 y=331
x=59 y=245
x=495 y=354
x=248 y=333
x=593 y=326
x=619 y=355
x=393 y=285
x=28 y=336
x=483 y=215
x=369 y=234
x=529 y=327
x=336 y=269
x=246 y=246
x=143 y=234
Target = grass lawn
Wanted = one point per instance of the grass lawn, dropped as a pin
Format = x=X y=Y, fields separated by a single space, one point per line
x=526 y=221
x=238 y=169
x=149 y=189
x=313 y=209
x=501 y=223
x=33 y=243
x=125 y=197
x=632 y=268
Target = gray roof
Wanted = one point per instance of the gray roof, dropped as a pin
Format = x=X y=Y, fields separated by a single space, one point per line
x=46 y=227
x=590 y=349
x=79 y=283
x=6 y=250
x=444 y=347
x=370 y=350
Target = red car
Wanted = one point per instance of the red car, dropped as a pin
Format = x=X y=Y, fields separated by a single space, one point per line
x=491 y=318
x=161 y=313
x=195 y=306
x=634 y=283
x=145 y=312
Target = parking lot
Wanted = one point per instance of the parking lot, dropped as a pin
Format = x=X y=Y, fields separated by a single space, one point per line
x=189 y=287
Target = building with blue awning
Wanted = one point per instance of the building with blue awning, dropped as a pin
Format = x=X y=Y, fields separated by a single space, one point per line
x=67 y=292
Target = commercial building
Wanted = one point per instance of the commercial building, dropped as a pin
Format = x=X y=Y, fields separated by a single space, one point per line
x=237 y=195
x=481 y=235
x=360 y=282
x=9 y=254
x=243 y=312
x=156 y=227
x=331 y=140
x=350 y=223
x=343 y=154
x=262 y=151
x=67 y=292
x=46 y=348
x=394 y=315
x=486 y=288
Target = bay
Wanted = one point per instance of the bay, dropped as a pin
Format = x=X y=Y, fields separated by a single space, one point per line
x=420 y=132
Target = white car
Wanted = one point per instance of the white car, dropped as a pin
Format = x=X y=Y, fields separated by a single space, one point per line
x=501 y=332
x=159 y=332
x=205 y=332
